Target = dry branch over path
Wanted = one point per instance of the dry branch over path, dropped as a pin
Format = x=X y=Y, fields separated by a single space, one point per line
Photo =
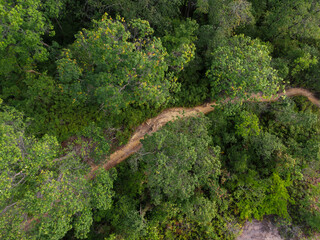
x=154 y=124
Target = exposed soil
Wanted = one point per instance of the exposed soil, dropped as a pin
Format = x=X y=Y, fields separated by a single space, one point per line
x=154 y=124
x=256 y=230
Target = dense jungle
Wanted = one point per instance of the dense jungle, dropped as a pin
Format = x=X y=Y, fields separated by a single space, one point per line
x=159 y=119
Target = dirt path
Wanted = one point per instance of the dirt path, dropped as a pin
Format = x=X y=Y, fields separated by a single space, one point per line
x=154 y=124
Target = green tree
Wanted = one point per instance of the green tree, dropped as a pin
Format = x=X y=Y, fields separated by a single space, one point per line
x=179 y=159
x=222 y=18
x=269 y=150
x=277 y=198
x=292 y=27
x=226 y=15
x=256 y=197
x=179 y=42
x=159 y=13
x=126 y=219
x=200 y=209
x=44 y=195
x=242 y=67
x=265 y=148
x=249 y=192
x=248 y=125
x=23 y=25
x=117 y=64
x=297 y=19
x=309 y=207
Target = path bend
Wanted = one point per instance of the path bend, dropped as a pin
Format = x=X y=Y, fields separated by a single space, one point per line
x=154 y=124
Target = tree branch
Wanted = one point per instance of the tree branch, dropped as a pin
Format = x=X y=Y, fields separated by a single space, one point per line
x=33 y=71
x=71 y=154
x=7 y=207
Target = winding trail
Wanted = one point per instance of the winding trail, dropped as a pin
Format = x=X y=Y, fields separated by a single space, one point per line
x=154 y=124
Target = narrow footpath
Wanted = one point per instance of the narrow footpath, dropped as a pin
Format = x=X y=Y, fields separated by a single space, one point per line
x=154 y=124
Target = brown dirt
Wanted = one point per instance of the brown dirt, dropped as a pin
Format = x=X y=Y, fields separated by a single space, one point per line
x=259 y=230
x=154 y=124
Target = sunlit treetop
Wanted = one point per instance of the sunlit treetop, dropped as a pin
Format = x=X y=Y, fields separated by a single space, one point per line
x=242 y=67
x=118 y=63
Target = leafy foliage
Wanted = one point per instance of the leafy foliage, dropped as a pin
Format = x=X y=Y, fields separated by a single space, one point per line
x=82 y=80
x=226 y=15
x=43 y=196
x=263 y=153
x=178 y=160
x=241 y=68
x=117 y=68
x=298 y=19
x=22 y=25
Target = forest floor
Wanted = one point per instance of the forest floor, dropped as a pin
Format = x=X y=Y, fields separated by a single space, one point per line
x=154 y=124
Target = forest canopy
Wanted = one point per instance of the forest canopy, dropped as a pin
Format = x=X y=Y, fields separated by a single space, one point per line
x=78 y=79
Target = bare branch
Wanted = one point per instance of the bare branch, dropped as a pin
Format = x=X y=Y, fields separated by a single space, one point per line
x=44 y=44
x=33 y=71
x=71 y=154
x=7 y=207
